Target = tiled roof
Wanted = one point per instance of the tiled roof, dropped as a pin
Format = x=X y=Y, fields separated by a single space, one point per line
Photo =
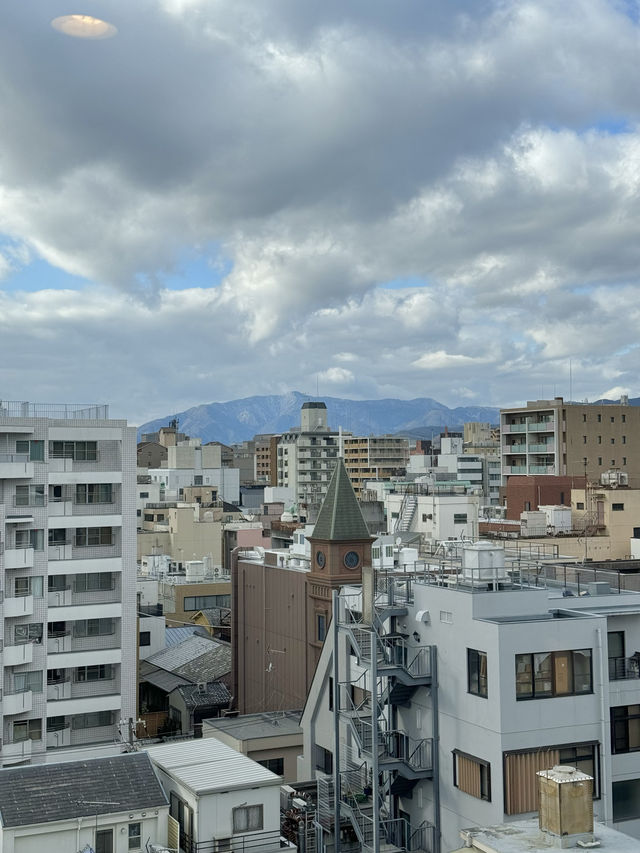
x=41 y=793
x=212 y=693
x=196 y=659
x=340 y=517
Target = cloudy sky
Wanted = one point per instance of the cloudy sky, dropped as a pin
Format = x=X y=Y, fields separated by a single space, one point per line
x=371 y=198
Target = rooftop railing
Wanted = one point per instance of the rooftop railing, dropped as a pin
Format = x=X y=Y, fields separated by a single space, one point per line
x=59 y=411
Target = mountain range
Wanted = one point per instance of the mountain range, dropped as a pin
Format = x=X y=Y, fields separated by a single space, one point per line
x=239 y=420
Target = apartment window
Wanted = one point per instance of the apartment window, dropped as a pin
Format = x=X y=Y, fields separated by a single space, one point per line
x=580 y=505
x=88 y=536
x=29 y=586
x=276 y=765
x=472 y=775
x=56 y=676
x=613 y=441
x=135 y=836
x=599 y=439
x=613 y=420
x=624 y=439
x=148 y=516
x=30 y=539
x=24 y=681
x=27 y=730
x=93 y=628
x=613 y=462
x=145 y=638
x=248 y=819
x=56 y=724
x=617 y=507
x=626 y=799
x=542 y=675
x=446 y=616
x=520 y=768
x=375 y=553
x=584 y=439
x=599 y=460
x=144 y=494
x=460 y=518
x=94 y=493
x=80 y=451
x=197 y=480
x=624 y=460
x=599 y=419
x=388 y=550
x=94 y=582
x=324 y=759
x=34 y=449
x=321 y=627
x=477 y=672
x=29 y=495
x=30 y=633
x=625 y=728
x=201 y=602
x=97 y=672
x=95 y=720
x=58 y=536
x=584 y=419
x=57 y=583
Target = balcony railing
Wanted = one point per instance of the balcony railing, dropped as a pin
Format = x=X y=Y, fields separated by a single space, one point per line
x=624 y=668
x=59 y=411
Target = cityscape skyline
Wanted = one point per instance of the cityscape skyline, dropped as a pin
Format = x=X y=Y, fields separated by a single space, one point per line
x=362 y=201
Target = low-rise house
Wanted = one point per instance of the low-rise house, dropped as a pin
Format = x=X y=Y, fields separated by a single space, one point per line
x=108 y=805
x=273 y=739
x=220 y=799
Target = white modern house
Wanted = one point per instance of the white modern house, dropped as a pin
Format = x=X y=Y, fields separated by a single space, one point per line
x=454 y=683
x=221 y=799
x=67 y=564
x=191 y=464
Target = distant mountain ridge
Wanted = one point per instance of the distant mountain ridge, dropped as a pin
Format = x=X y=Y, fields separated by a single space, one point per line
x=240 y=420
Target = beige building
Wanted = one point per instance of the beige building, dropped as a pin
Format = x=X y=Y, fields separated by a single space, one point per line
x=181 y=599
x=375 y=457
x=273 y=739
x=266 y=459
x=554 y=437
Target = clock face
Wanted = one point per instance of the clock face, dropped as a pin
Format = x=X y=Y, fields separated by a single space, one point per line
x=351 y=559
x=320 y=559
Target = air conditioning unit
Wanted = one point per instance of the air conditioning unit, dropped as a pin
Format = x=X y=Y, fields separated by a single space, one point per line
x=222 y=845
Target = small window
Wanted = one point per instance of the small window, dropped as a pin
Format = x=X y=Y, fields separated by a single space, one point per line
x=613 y=441
x=624 y=439
x=584 y=439
x=477 y=672
x=27 y=730
x=584 y=418
x=135 y=836
x=617 y=507
x=624 y=460
x=460 y=518
x=625 y=729
x=446 y=616
x=624 y=419
x=580 y=505
x=472 y=775
x=613 y=420
x=324 y=759
x=145 y=638
x=599 y=419
x=599 y=439
x=275 y=765
x=613 y=462
x=144 y=494
x=599 y=460
x=321 y=627
x=248 y=819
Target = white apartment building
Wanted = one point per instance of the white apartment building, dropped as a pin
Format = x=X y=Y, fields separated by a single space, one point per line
x=191 y=464
x=67 y=567
x=446 y=513
x=454 y=684
x=306 y=456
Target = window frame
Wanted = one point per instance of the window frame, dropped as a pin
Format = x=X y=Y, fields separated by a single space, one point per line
x=477 y=681
x=247 y=812
x=484 y=770
x=621 y=721
x=135 y=835
x=550 y=675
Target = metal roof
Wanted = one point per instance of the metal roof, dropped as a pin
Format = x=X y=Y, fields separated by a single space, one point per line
x=67 y=790
x=173 y=636
x=248 y=726
x=207 y=766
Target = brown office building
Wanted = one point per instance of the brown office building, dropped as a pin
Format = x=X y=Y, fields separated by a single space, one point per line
x=281 y=604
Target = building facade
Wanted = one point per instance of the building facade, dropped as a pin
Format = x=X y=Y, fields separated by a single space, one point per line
x=374 y=457
x=570 y=439
x=67 y=562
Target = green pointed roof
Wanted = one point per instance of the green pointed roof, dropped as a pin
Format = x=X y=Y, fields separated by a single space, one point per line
x=340 y=517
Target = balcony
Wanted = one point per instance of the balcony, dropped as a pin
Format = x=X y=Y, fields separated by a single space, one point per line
x=60 y=737
x=540 y=426
x=18 y=558
x=514 y=428
x=17 y=703
x=15 y=655
x=14 y=753
x=621 y=669
x=60 y=552
x=542 y=448
x=60 y=597
x=59 y=690
x=542 y=469
x=515 y=448
x=15 y=466
x=515 y=469
x=59 y=641
x=21 y=605
x=58 y=508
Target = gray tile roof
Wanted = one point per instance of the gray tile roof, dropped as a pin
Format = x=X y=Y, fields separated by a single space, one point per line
x=173 y=636
x=213 y=693
x=195 y=659
x=340 y=517
x=41 y=793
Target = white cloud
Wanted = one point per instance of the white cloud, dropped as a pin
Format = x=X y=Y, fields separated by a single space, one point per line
x=327 y=150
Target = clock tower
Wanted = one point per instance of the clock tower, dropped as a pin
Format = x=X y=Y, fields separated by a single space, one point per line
x=340 y=546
